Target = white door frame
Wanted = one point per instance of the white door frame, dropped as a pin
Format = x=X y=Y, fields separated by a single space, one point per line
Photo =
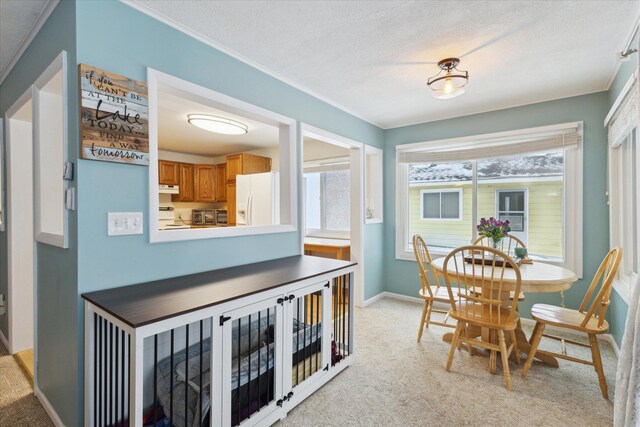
x=21 y=324
x=356 y=207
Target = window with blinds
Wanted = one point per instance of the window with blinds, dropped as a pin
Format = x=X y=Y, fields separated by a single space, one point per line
x=532 y=178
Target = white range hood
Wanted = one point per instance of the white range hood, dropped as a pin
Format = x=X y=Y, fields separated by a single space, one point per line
x=168 y=189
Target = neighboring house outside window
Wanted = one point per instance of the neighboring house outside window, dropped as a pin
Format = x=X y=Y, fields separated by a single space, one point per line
x=533 y=178
x=503 y=187
x=441 y=204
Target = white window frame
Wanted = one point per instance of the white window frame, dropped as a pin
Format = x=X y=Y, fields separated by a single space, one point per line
x=572 y=195
x=440 y=191
x=374 y=185
x=45 y=169
x=620 y=209
x=288 y=162
x=324 y=232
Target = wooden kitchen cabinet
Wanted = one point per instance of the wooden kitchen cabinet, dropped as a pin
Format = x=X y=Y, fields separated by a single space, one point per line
x=221 y=182
x=168 y=172
x=185 y=183
x=205 y=183
x=231 y=204
x=244 y=163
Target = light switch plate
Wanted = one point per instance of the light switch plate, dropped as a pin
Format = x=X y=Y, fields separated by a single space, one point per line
x=124 y=223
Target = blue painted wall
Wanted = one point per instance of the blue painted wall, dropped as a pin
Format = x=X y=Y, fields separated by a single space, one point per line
x=618 y=308
x=58 y=354
x=135 y=42
x=401 y=276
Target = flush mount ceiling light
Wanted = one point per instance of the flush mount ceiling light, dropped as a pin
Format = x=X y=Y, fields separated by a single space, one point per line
x=218 y=124
x=450 y=81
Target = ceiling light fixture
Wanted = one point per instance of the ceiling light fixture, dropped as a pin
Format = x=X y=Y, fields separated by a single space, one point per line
x=218 y=124
x=450 y=81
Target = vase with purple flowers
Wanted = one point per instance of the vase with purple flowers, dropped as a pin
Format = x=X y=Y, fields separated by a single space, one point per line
x=494 y=229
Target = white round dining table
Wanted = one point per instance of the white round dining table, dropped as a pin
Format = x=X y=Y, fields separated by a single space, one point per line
x=536 y=277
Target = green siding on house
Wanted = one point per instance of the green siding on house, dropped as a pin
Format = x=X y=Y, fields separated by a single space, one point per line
x=544 y=215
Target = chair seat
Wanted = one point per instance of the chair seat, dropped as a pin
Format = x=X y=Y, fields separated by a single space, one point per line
x=480 y=315
x=439 y=294
x=566 y=318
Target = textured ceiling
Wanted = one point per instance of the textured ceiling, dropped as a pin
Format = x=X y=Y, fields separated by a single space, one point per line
x=17 y=18
x=175 y=133
x=373 y=58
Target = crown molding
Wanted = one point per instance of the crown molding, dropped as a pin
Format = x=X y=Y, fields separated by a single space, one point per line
x=210 y=42
x=42 y=18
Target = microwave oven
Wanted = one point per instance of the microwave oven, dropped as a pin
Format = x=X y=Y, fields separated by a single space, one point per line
x=203 y=217
x=221 y=216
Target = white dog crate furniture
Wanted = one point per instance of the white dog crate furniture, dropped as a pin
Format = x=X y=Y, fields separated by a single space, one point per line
x=238 y=346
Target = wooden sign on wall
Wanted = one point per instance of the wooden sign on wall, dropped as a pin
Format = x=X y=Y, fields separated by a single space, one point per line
x=114 y=117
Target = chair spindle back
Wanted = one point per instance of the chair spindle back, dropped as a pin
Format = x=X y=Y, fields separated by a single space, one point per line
x=507 y=245
x=423 y=258
x=605 y=276
x=470 y=268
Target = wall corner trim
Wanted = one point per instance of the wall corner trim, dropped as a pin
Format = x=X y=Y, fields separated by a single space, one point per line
x=44 y=15
x=55 y=419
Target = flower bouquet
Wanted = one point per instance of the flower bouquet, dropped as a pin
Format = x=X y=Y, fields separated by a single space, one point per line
x=494 y=229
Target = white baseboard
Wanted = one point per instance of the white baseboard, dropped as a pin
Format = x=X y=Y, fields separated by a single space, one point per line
x=373 y=299
x=55 y=419
x=609 y=338
x=5 y=342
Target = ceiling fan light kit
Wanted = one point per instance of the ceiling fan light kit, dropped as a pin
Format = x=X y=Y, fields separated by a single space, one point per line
x=449 y=82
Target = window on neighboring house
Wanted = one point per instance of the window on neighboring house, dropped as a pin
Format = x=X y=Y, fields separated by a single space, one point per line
x=531 y=178
x=441 y=204
x=511 y=206
x=327 y=203
x=624 y=185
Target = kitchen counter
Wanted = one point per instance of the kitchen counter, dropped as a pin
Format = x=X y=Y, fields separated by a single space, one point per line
x=339 y=248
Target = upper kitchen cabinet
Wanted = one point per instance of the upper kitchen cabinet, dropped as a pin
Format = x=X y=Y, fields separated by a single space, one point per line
x=168 y=172
x=205 y=183
x=186 y=184
x=221 y=182
x=244 y=164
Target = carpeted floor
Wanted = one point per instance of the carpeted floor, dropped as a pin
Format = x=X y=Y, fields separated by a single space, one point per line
x=396 y=381
x=18 y=406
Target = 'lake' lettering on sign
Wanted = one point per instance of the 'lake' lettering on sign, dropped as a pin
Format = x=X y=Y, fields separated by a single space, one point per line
x=114 y=117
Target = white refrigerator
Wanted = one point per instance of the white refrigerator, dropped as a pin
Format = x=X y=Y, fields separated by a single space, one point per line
x=258 y=199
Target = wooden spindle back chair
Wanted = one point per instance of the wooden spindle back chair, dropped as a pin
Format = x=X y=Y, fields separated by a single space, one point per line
x=430 y=294
x=589 y=319
x=480 y=296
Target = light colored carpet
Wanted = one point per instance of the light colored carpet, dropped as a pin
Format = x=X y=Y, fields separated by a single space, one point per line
x=396 y=381
x=18 y=406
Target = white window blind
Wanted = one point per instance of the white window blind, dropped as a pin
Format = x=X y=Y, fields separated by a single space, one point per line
x=625 y=117
x=490 y=146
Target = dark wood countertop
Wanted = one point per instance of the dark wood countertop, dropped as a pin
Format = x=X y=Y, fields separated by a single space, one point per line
x=145 y=303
